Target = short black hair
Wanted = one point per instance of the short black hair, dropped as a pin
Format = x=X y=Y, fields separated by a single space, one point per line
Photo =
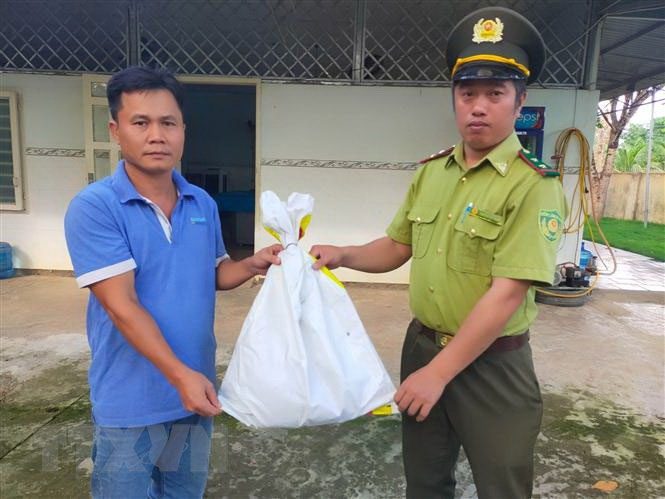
x=138 y=79
x=520 y=90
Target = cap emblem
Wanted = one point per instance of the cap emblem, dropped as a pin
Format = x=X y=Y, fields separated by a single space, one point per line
x=486 y=30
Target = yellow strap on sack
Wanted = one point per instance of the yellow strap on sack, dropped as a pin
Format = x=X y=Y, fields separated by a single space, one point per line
x=328 y=273
x=386 y=410
x=303 y=226
x=273 y=233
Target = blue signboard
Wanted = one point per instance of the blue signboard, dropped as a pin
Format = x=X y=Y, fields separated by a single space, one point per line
x=531 y=118
x=529 y=128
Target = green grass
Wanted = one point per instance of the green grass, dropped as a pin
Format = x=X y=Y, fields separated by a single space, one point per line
x=630 y=235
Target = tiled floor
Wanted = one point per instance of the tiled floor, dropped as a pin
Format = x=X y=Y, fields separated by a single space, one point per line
x=633 y=272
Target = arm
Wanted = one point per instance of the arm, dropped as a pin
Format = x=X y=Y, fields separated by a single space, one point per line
x=232 y=273
x=381 y=255
x=118 y=297
x=422 y=389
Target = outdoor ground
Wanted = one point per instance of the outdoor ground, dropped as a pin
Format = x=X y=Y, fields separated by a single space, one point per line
x=600 y=367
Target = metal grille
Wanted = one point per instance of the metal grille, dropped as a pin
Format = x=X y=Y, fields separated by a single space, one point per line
x=7 y=193
x=392 y=40
x=405 y=41
x=563 y=25
x=63 y=35
x=270 y=38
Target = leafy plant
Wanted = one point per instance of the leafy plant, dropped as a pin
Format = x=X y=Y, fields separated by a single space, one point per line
x=626 y=160
x=632 y=153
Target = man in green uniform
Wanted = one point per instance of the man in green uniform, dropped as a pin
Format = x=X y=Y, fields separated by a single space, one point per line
x=481 y=223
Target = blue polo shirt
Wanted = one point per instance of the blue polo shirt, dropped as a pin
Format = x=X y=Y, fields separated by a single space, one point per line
x=111 y=229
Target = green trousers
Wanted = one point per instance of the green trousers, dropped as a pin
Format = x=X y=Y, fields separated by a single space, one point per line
x=493 y=409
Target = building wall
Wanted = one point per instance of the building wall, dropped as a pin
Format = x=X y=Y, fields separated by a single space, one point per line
x=362 y=124
x=379 y=124
x=377 y=131
x=54 y=169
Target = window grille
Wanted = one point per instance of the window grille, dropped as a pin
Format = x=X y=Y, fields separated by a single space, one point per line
x=11 y=182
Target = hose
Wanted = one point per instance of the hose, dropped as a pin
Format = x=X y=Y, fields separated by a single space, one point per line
x=582 y=187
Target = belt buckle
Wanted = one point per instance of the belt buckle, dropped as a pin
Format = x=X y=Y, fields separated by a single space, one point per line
x=442 y=339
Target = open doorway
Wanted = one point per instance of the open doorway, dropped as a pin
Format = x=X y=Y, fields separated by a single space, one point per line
x=219 y=156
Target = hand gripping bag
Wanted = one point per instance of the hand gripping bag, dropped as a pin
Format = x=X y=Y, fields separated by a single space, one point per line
x=303 y=357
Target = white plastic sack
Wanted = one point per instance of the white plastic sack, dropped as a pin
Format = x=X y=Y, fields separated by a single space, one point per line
x=303 y=357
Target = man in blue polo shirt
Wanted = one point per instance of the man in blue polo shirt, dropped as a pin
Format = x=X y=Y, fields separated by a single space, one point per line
x=148 y=245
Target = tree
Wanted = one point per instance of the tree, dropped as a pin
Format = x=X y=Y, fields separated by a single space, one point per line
x=636 y=135
x=626 y=159
x=615 y=115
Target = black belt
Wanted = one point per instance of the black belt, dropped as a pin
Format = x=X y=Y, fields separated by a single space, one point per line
x=501 y=344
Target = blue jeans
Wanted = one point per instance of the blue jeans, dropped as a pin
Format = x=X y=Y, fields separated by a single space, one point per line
x=166 y=460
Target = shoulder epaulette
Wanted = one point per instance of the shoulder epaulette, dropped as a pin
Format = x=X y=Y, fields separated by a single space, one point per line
x=538 y=166
x=440 y=154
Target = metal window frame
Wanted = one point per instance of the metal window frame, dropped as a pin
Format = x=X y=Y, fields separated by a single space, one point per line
x=90 y=144
x=17 y=163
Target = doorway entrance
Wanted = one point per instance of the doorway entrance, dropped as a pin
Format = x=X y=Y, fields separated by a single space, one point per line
x=220 y=155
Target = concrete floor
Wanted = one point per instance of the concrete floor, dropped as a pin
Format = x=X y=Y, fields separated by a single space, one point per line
x=600 y=367
x=631 y=273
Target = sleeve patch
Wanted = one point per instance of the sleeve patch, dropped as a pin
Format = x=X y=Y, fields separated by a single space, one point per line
x=550 y=223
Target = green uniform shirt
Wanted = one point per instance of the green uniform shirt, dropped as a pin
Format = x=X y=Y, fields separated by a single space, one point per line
x=499 y=219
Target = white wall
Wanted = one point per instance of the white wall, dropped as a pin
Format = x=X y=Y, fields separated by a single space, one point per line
x=349 y=123
x=397 y=125
x=366 y=124
x=51 y=118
